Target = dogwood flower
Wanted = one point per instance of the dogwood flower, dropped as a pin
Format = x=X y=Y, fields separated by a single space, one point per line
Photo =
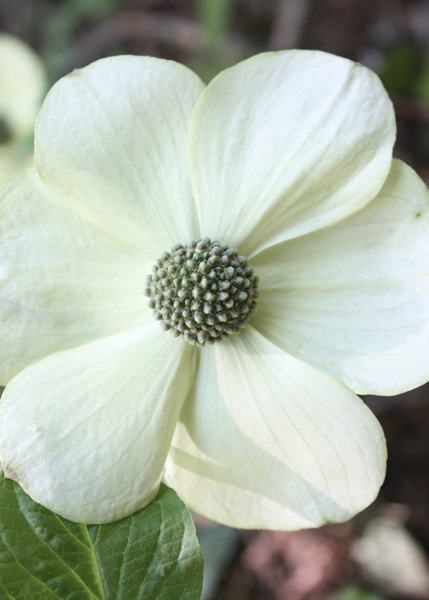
x=196 y=283
x=22 y=84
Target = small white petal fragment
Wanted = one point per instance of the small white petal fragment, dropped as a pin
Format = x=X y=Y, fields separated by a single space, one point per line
x=86 y=432
x=353 y=299
x=286 y=143
x=112 y=140
x=63 y=281
x=266 y=441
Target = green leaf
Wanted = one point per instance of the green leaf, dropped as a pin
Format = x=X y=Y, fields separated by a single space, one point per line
x=153 y=554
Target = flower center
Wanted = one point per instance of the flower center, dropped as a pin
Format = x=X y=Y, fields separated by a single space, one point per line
x=203 y=291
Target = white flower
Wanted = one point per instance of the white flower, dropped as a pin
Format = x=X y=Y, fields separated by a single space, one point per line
x=286 y=157
x=22 y=84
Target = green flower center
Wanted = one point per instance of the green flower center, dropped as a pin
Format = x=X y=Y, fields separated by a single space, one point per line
x=203 y=291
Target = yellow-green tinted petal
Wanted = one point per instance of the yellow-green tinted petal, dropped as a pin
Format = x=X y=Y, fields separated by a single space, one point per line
x=267 y=441
x=22 y=86
x=111 y=140
x=286 y=143
x=63 y=281
x=353 y=299
x=86 y=432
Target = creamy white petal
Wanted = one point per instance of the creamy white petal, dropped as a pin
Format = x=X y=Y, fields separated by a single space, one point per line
x=353 y=299
x=112 y=140
x=63 y=282
x=266 y=441
x=286 y=143
x=86 y=432
x=22 y=83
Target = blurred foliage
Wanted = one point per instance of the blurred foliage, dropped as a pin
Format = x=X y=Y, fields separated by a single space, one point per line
x=216 y=19
x=61 y=26
x=405 y=71
x=89 y=11
x=208 y=64
x=422 y=83
x=401 y=69
x=355 y=592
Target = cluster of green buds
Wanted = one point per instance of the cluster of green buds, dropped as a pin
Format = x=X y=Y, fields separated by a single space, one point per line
x=203 y=291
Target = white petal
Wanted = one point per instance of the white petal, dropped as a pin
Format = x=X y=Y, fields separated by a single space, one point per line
x=112 y=140
x=63 y=281
x=266 y=441
x=286 y=143
x=22 y=84
x=86 y=432
x=353 y=299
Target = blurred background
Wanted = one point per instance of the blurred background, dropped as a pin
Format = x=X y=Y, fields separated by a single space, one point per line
x=384 y=552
